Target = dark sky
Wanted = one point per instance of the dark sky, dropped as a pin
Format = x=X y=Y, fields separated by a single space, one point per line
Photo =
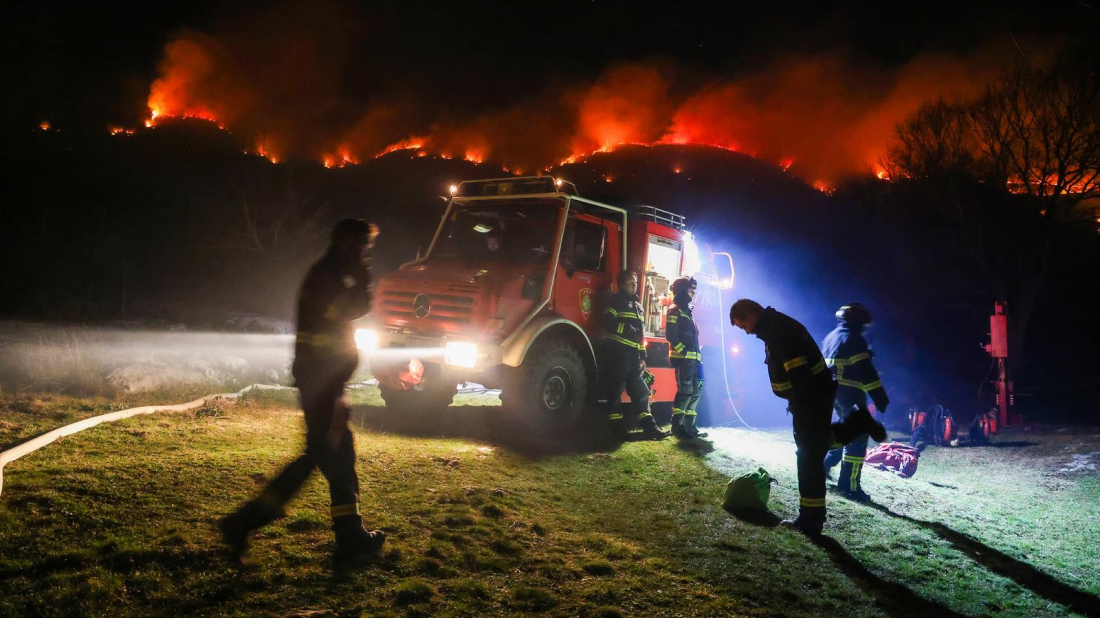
x=92 y=62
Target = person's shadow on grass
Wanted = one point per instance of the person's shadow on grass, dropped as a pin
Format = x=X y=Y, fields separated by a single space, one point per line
x=893 y=598
x=1020 y=572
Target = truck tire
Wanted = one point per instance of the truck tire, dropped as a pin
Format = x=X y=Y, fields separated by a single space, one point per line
x=549 y=390
x=429 y=397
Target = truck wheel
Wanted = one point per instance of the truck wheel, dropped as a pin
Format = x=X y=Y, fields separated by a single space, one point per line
x=549 y=389
x=426 y=398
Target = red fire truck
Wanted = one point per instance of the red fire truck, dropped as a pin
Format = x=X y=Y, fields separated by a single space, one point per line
x=509 y=295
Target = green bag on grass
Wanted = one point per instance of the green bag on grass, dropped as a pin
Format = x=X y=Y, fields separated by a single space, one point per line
x=749 y=492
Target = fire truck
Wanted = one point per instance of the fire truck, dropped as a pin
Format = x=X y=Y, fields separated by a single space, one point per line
x=509 y=295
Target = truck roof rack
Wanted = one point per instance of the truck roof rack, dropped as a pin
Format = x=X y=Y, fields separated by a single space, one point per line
x=657 y=215
x=515 y=185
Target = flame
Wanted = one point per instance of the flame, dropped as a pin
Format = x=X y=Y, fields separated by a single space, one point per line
x=413 y=143
x=786 y=164
x=823 y=186
x=117 y=130
x=44 y=125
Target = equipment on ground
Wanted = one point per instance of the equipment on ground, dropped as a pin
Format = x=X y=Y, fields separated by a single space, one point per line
x=749 y=491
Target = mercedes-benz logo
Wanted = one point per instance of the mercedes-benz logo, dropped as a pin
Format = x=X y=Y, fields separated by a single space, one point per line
x=421 y=306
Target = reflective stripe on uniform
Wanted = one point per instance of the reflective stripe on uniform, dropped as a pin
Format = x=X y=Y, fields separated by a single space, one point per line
x=628 y=315
x=782 y=386
x=688 y=355
x=620 y=328
x=691 y=413
x=859 y=385
x=676 y=411
x=672 y=319
x=818 y=368
x=612 y=311
x=317 y=340
x=679 y=347
x=344 y=510
x=644 y=415
x=794 y=362
x=851 y=360
x=626 y=342
x=812 y=502
x=853 y=459
x=615 y=416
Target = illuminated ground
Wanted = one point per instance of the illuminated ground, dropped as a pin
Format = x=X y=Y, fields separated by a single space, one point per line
x=483 y=521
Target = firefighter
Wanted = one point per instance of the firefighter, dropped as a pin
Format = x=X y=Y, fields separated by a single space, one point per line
x=336 y=291
x=624 y=363
x=683 y=340
x=848 y=355
x=798 y=374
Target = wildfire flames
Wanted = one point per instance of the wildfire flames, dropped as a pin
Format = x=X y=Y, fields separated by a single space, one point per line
x=817 y=118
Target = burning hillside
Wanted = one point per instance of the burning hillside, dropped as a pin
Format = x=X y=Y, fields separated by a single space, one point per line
x=820 y=117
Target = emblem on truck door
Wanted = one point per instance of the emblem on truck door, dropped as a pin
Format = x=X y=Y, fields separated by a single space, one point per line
x=586 y=302
x=421 y=306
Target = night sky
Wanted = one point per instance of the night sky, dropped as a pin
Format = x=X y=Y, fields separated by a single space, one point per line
x=91 y=63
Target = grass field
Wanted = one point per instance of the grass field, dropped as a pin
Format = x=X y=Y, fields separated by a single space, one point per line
x=481 y=520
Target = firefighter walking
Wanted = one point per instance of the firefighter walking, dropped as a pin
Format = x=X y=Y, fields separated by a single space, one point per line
x=336 y=291
x=684 y=356
x=623 y=367
x=846 y=352
x=798 y=374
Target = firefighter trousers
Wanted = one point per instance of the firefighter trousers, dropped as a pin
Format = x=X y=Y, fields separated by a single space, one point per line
x=851 y=455
x=623 y=371
x=337 y=463
x=814 y=435
x=689 y=388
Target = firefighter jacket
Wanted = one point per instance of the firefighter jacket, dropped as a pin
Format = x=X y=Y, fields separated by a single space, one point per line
x=623 y=320
x=681 y=331
x=795 y=365
x=330 y=299
x=849 y=356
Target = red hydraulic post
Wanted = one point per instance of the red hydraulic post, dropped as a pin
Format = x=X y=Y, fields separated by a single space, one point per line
x=998 y=349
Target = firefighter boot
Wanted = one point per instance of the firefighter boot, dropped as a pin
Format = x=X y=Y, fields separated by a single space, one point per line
x=354 y=544
x=650 y=430
x=690 y=430
x=678 y=426
x=861 y=421
x=236 y=527
x=806 y=523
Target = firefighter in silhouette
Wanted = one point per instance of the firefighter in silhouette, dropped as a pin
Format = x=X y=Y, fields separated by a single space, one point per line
x=798 y=374
x=624 y=362
x=336 y=291
x=848 y=355
x=685 y=357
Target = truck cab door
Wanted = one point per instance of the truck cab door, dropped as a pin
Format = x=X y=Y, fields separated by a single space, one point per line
x=589 y=256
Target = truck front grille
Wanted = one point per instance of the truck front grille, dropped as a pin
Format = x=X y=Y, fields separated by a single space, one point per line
x=399 y=308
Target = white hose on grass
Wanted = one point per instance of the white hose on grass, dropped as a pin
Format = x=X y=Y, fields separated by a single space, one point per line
x=34 y=444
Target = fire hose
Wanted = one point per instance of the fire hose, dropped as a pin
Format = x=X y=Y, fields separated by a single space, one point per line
x=34 y=444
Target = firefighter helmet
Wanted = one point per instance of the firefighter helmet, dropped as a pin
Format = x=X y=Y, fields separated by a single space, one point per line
x=854 y=313
x=682 y=285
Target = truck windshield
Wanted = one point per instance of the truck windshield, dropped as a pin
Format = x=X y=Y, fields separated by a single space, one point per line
x=499 y=232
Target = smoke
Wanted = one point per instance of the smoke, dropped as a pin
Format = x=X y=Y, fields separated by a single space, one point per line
x=278 y=83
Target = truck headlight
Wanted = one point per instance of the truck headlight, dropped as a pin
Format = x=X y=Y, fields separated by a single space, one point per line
x=366 y=339
x=460 y=354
